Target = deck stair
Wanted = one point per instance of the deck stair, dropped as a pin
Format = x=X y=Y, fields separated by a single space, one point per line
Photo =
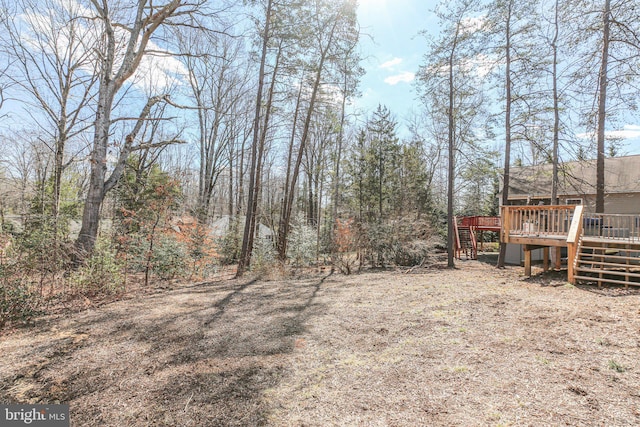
x=467 y=243
x=601 y=248
x=607 y=262
x=469 y=229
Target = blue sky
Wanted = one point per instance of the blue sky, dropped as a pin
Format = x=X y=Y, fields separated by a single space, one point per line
x=392 y=50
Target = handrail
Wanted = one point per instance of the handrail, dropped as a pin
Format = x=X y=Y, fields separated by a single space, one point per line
x=573 y=241
x=613 y=227
x=536 y=221
x=539 y=226
x=575 y=231
x=480 y=221
x=456 y=233
x=474 y=244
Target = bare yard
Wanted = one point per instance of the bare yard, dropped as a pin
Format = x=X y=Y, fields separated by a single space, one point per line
x=471 y=346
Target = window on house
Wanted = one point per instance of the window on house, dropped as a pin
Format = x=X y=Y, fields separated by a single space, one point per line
x=574 y=201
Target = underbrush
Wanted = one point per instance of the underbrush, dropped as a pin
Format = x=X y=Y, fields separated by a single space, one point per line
x=38 y=276
x=401 y=242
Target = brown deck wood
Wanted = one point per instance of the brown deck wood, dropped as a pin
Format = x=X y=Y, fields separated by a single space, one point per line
x=534 y=240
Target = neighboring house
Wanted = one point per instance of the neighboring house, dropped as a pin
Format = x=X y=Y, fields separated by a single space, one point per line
x=220 y=228
x=531 y=185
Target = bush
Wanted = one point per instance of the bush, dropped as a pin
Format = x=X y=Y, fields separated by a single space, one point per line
x=397 y=242
x=263 y=256
x=101 y=273
x=202 y=251
x=169 y=258
x=345 y=246
x=302 y=244
x=17 y=302
x=229 y=248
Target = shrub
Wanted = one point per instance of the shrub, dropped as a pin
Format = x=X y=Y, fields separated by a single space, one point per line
x=17 y=302
x=169 y=258
x=345 y=245
x=201 y=250
x=302 y=244
x=263 y=256
x=229 y=247
x=101 y=273
x=397 y=242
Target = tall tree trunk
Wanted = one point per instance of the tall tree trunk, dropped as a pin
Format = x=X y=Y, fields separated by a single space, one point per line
x=336 y=173
x=380 y=180
x=140 y=33
x=285 y=218
x=249 y=225
x=95 y=193
x=287 y=179
x=231 y=195
x=507 y=127
x=602 y=104
x=452 y=153
x=556 y=111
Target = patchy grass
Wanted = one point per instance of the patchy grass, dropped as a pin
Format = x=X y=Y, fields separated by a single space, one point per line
x=470 y=346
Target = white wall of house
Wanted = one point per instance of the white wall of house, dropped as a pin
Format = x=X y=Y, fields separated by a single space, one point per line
x=515 y=254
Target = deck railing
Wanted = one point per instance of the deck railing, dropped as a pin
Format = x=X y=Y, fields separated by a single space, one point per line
x=481 y=221
x=537 y=226
x=539 y=221
x=612 y=227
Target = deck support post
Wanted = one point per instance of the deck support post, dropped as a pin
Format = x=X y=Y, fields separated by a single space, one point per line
x=558 y=259
x=545 y=259
x=527 y=261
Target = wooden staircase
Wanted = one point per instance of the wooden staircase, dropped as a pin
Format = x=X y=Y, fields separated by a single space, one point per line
x=601 y=248
x=465 y=241
x=468 y=228
x=609 y=262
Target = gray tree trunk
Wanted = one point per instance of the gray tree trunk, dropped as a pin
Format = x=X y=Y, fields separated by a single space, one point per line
x=109 y=85
x=249 y=225
x=602 y=105
x=507 y=126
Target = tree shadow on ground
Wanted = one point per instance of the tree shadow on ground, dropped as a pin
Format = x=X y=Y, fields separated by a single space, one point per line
x=490 y=258
x=202 y=355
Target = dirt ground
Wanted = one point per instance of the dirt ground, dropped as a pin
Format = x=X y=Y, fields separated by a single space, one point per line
x=433 y=347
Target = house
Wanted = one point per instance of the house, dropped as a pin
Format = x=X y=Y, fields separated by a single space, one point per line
x=531 y=185
x=220 y=227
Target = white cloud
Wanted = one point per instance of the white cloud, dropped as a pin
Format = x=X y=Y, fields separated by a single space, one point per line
x=473 y=24
x=392 y=63
x=627 y=132
x=404 y=77
x=157 y=72
x=481 y=65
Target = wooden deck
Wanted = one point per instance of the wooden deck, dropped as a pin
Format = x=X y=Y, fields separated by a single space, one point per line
x=615 y=239
x=469 y=230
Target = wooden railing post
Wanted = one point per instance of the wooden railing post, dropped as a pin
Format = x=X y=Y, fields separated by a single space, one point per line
x=575 y=231
x=506 y=224
x=456 y=238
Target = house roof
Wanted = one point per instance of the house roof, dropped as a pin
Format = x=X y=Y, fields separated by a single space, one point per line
x=577 y=178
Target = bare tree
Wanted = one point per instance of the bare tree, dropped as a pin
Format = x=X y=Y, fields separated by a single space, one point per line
x=445 y=75
x=332 y=25
x=52 y=63
x=507 y=118
x=116 y=66
x=250 y=221
x=605 y=41
x=218 y=82
x=602 y=105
